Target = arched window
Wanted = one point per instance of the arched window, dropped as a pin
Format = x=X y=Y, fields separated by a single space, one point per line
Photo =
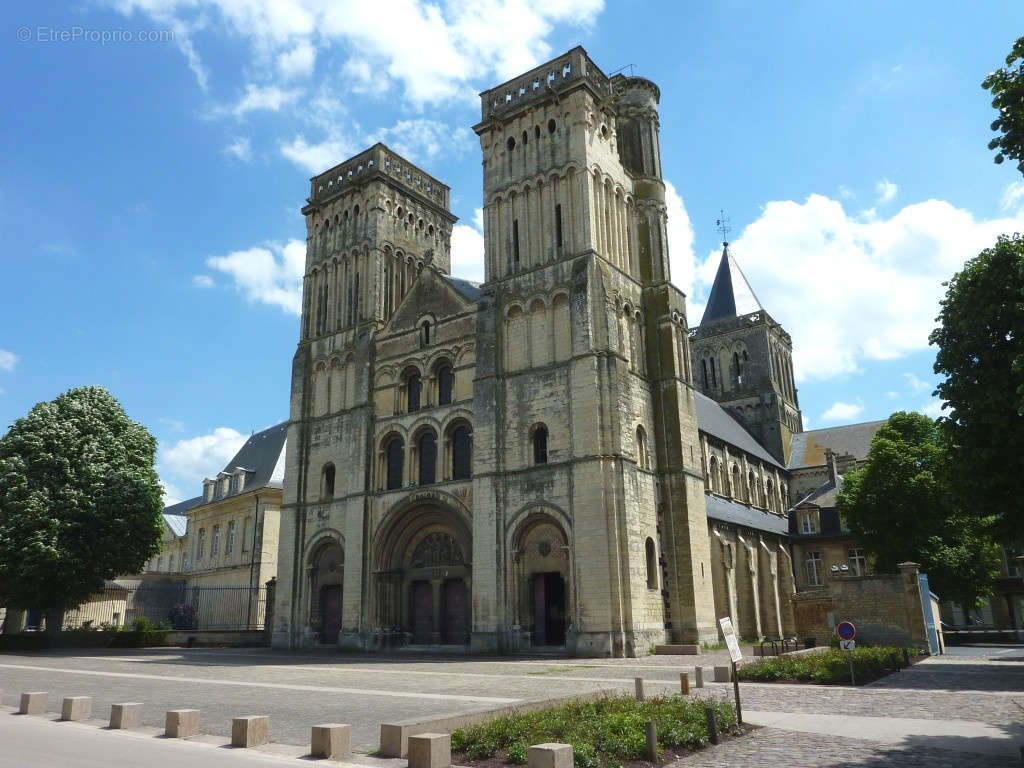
x=540 y=445
x=327 y=482
x=643 y=458
x=445 y=384
x=413 y=385
x=462 y=457
x=427 y=449
x=770 y=501
x=704 y=369
x=395 y=456
x=425 y=333
x=737 y=369
x=652 y=565
x=713 y=474
x=737 y=482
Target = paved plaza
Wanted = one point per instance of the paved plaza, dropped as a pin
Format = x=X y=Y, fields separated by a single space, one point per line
x=962 y=709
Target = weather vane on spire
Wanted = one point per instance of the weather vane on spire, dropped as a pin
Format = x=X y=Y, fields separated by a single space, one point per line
x=722 y=225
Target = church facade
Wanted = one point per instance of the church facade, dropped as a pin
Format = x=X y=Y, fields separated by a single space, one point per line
x=554 y=457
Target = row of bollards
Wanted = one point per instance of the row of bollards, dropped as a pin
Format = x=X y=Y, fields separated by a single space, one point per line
x=684 y=687
x=684 y=683
x=330 y=740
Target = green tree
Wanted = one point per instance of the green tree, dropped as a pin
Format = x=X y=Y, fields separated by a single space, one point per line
x=80 y=501
x=980 y=342
x=1006 y=85
x=900 y=505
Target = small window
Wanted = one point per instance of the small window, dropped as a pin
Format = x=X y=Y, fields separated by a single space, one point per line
x=558 y=226
x=425 y=333
x=808 y=523
x=395 y=455
x=445 y=385
x=215 y=542
x=201 y=544
x=462 y=458
x=413 y=386
x=540 y=445
x=526 y=138
x=229 y=546
x=652 y=564
x=327 y=486
x=551 y=126
x=515 y=241
x=814 y=569
x=536 y=132
x=511 y=143
x=643 y=459
x=858 y=563
x=427 y=448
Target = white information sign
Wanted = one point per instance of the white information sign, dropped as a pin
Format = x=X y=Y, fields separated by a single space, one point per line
x=731 y=641
x=847 y=645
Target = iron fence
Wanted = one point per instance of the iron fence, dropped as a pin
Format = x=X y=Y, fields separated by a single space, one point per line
x=177 y=605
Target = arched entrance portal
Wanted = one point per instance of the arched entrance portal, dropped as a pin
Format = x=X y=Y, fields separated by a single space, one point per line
x=541 y=577
x=422 y=584
x=327 y=575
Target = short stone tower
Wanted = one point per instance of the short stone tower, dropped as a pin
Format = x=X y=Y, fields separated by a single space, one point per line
x=744 y=359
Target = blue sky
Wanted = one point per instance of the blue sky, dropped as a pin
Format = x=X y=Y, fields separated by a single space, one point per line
x=150 y=188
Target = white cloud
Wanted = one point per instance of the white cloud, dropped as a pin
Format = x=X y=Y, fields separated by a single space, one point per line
x=886 y=190
x=892 y=394
x=932 y=409
x=267 y=274
x=7 y=360
x=916 y=385
x=184 y=464
x=202 y=281
x=420 y=140
x=317 y=158
x=845 y=192
x=468 y=248
x=266 y=98
x=1013 y=197
x=435 y=51
x=840 y=411
x=240 y=148
x=299 y=61
x=853 y=288
x=681 y=257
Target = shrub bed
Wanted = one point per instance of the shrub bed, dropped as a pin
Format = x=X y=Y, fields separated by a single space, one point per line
x=830 y=667
x=603 y=733
x=143 y=634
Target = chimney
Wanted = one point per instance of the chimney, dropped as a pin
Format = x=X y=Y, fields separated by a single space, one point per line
x=833 y=469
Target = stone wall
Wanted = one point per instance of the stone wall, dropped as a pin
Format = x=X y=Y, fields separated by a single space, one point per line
x=885 y=608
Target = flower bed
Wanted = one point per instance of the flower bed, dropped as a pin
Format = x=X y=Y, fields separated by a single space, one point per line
x=830 y=667
x=604 y=733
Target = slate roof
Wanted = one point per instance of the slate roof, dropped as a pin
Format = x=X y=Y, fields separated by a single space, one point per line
x=467 y=288
x=718 y=422
x=183 y=506
x=740 y=514
x=807 y=449
x=177 y=523
x=731 y=294
x=263 y=455
x=823 y=496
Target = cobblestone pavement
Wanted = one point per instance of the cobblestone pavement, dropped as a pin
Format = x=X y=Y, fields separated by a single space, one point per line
x=773 y=747
x=298 y=690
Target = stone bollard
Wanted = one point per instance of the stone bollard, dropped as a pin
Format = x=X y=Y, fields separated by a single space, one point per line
x=331 y=740
x=127 y=715
x=551 y=755
x=33 y=703
x=430 y=750
x=722 y=675
x=638 y=684
x=76 y=708
x=709 y=714
x=652 y=741
x=698 y=677
x=249 y=731
x=684 y=683
x=181 y=723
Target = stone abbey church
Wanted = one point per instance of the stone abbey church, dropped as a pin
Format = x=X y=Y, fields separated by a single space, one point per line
x=556 y=457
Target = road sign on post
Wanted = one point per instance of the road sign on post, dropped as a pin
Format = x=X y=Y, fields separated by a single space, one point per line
x=733 y=644
x=847 y=632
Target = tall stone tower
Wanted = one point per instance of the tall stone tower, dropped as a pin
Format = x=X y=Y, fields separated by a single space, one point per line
x=584 y=406
x=744 y=359
x=372 y=223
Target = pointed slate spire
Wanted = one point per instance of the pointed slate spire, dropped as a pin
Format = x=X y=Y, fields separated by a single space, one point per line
x=731 y=294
